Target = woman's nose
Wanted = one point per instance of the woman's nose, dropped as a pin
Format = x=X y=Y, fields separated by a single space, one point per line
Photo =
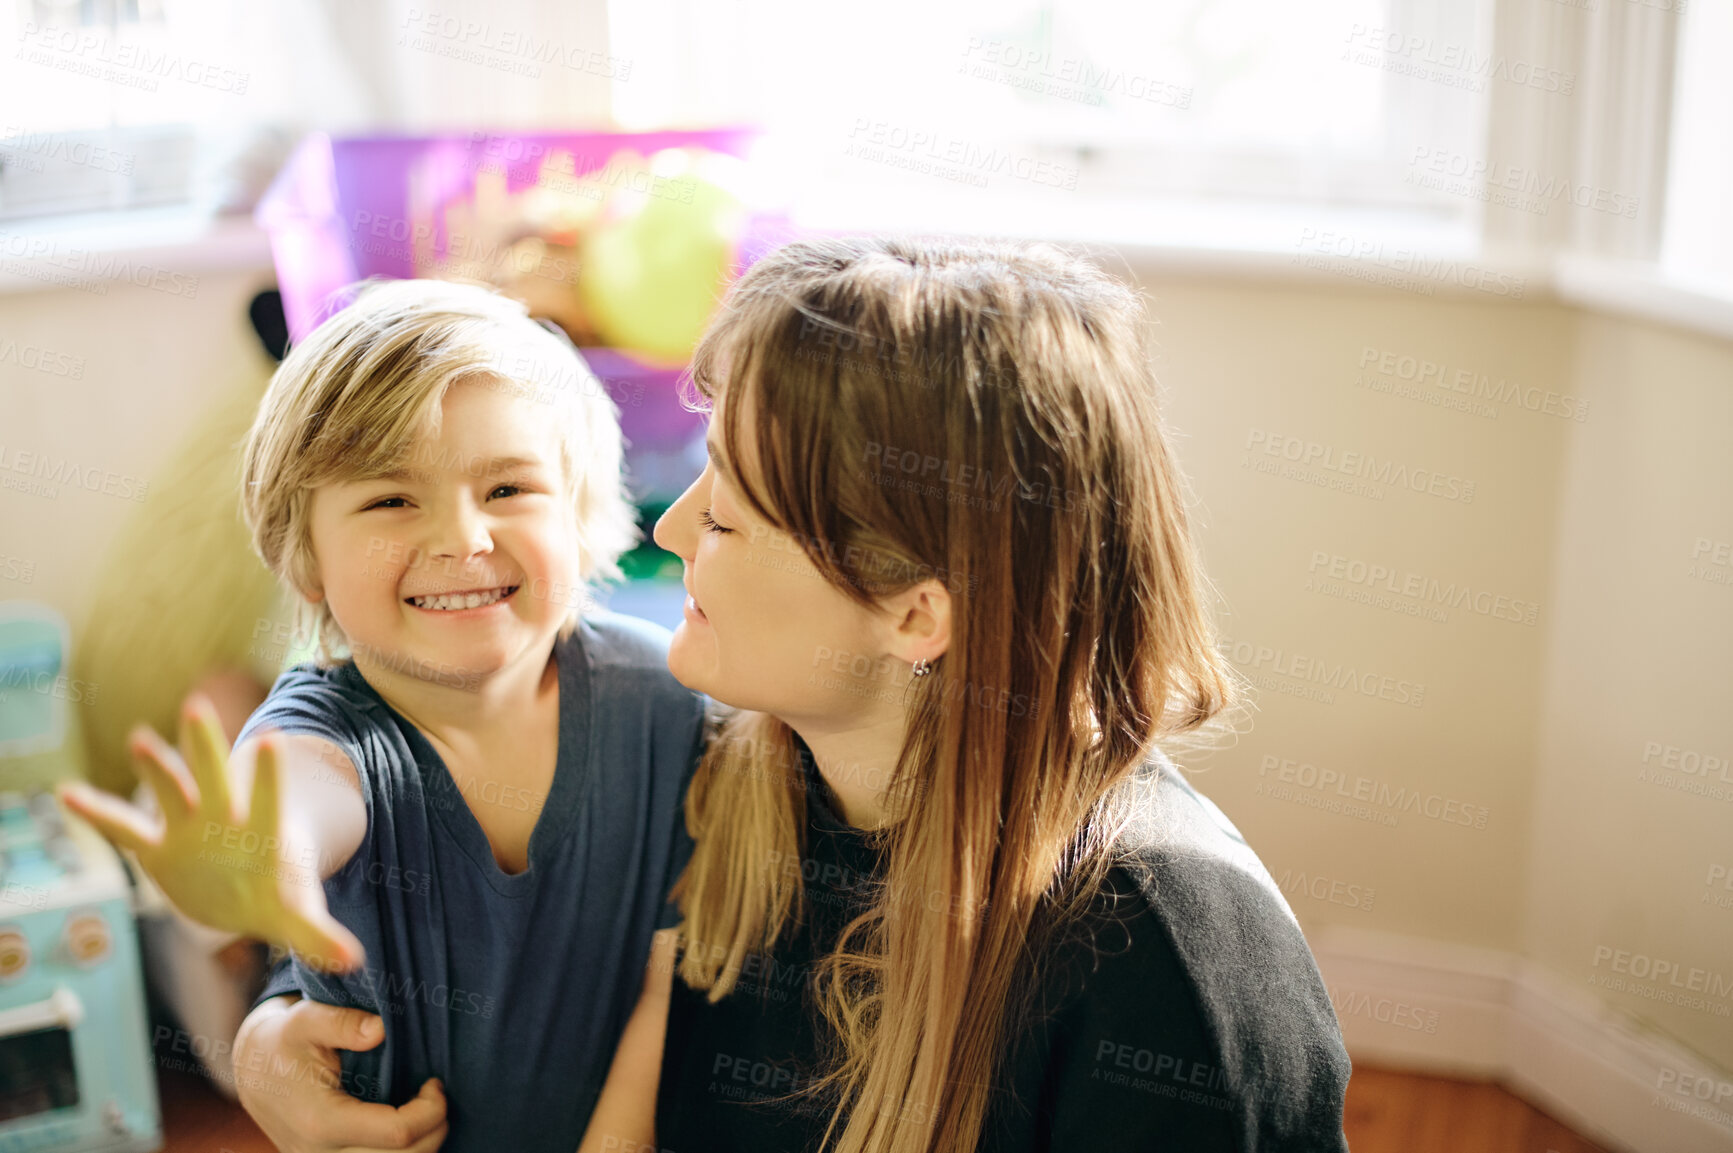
x=676 y=529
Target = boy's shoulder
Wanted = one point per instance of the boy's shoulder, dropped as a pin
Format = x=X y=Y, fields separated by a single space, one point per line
x=332 y=702
x=339 y=677
x=320 y=688
x=628 y=656
x=616 y=641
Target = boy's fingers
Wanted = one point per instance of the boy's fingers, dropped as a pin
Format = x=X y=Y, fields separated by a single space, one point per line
x=207 y=752
x=113 y=817
x=322 y=941
x=157 y=766
x=262 y=806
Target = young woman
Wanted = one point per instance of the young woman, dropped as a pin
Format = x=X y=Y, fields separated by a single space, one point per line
x=946 y=893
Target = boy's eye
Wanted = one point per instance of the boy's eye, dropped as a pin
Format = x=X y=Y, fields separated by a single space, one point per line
x=704 y=518
x=386 y=502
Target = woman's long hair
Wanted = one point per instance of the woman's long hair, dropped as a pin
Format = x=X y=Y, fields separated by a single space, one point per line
x=982 y=414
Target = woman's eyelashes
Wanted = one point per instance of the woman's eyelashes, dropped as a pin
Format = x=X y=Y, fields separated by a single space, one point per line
x=705 y=519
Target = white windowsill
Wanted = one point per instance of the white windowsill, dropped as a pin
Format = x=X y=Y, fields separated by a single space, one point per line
x=1216 y=241
x=1221 y=240
x=1644 y=292
x=39 y=254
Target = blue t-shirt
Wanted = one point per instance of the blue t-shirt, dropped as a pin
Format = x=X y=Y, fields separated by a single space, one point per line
x=512 y=988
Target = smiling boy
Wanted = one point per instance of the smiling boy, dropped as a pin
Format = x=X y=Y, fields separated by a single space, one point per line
x=490 y=784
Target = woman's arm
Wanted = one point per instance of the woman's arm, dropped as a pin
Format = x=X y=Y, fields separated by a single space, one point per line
x=288 y=1075
x=257 y=874
x=625 y=1116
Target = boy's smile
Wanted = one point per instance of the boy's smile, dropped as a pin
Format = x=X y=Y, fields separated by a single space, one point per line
x=462 y=601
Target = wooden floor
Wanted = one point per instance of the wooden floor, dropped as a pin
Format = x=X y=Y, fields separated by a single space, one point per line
x=198 y=1119
x=1387 y=1113
x=1403 y=1113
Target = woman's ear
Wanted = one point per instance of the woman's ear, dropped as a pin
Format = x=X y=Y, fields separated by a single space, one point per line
x=918 y=622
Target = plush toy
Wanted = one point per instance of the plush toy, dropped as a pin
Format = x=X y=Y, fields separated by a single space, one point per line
x=180 y=595
x=182 y=604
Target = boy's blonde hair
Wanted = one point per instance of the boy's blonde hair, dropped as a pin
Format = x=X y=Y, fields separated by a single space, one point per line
x=353 y=400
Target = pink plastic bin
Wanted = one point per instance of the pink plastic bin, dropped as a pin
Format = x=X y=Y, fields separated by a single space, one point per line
x=339 y=212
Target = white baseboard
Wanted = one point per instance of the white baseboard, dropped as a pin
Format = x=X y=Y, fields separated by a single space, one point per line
x=1450 y=1010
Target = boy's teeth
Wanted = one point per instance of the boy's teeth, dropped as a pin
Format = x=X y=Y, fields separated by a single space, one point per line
x=450 y=601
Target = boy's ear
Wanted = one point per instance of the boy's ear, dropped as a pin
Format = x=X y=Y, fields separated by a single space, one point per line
x=304 y=575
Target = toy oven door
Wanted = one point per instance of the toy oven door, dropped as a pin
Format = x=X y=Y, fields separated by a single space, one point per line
x=38 y=1072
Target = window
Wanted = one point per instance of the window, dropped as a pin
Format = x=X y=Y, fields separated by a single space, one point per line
x=1698 y=243
x=1253 y=100
x=1527 y=129
x=116 y=104
x=82 y=75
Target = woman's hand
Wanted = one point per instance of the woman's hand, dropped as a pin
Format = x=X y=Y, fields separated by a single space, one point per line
x=223 y=870
x=287 y=1072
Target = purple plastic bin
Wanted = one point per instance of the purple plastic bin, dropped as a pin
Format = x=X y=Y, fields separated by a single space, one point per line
x=339 y=212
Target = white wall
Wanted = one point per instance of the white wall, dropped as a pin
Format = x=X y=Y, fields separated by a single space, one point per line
x=1580 y=866
x=149 y=363
x=1632 y=838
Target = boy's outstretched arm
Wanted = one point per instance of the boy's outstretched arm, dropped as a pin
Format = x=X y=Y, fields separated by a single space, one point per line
x=625 y=1115
x=251 y=867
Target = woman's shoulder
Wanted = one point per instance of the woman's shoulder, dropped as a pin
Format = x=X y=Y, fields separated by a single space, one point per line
x=1195 y=873
x=1189 y=983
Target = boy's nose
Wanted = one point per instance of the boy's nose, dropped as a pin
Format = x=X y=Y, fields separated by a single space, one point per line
x=462 y=533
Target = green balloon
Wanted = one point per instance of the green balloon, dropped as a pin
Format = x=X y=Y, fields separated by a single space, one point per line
x=650 y=276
